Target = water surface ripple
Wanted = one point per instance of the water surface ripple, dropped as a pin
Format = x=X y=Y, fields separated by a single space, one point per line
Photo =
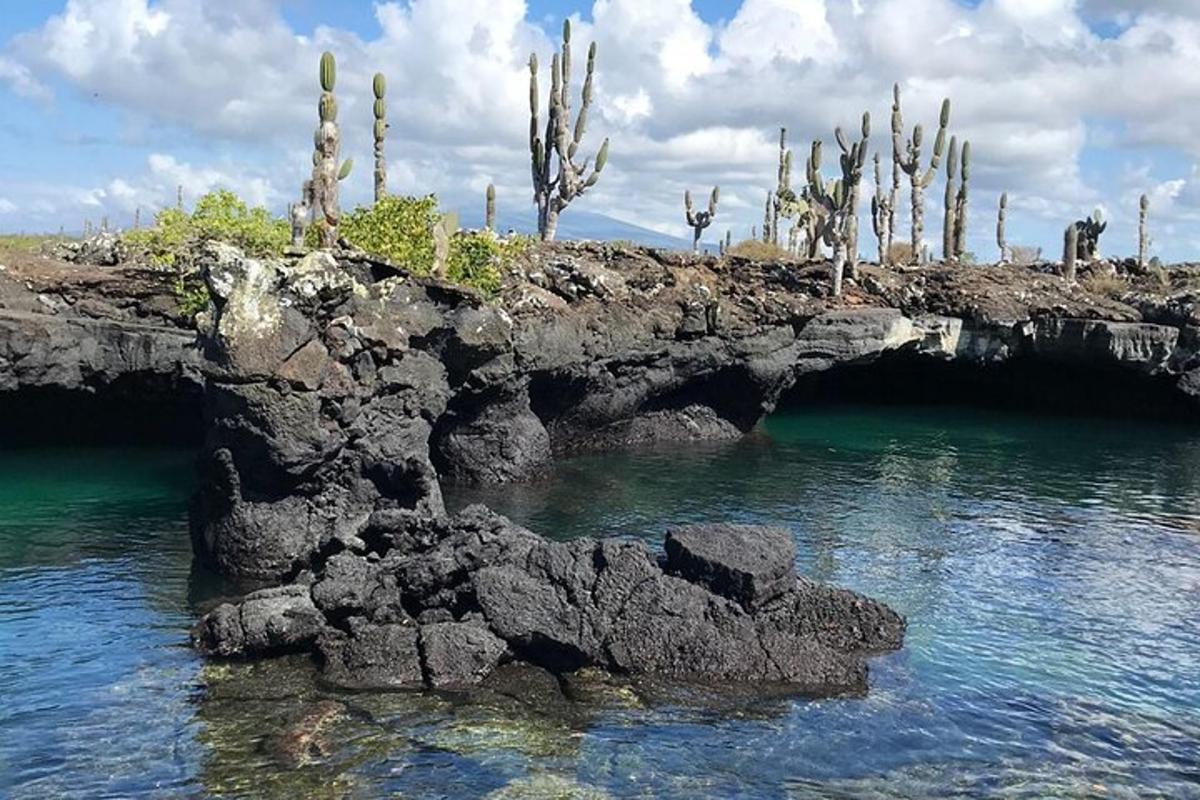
x=1049 y=568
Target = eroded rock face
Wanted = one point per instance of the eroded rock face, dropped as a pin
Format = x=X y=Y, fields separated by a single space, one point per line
x=445 y=602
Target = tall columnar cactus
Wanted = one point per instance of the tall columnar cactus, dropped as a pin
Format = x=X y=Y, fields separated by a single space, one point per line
x=950 y=203
x=960 y=205
x=1070 y=251
x=728 y=240
x=327 y=149
x=1001 y=229
x=768 y=234
x=783 y=189
x=1143 y=231
x=854 y=156
x=379 y=85
x=490 y=210
x=882 y=214
x=832 y=202
x=908 y=156
x=552 y=193
x=699 y=220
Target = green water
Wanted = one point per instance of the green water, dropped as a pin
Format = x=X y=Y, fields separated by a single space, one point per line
x=1050 y=570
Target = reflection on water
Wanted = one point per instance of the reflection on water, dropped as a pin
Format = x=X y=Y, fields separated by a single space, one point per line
x=1050 y=570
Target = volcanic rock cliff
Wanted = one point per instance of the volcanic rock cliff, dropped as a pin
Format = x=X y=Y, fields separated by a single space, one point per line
x=340 y=393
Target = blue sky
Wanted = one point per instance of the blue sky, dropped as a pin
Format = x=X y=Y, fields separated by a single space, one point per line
x=1070 y=104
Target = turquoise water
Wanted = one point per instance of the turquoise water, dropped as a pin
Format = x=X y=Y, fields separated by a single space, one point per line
x=1049 y=568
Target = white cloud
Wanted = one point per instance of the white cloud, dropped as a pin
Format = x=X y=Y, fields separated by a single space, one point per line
x=7 y=206
x=21 y=80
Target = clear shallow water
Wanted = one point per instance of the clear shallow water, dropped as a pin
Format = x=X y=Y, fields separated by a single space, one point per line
x=1050 y=570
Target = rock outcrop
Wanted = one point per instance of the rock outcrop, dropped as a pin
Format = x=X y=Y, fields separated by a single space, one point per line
x=340 y=392
x=442 y=602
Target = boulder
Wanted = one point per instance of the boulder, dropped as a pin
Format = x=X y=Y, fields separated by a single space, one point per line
x=459 y=653
x=749 y=565
x=371 y=656
x=265 y=623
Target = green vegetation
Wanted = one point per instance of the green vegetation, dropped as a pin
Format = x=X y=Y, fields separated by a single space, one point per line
x=25 y=244
x=219 y=216
x=400 y=229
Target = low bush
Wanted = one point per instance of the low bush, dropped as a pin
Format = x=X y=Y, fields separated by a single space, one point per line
x=760 y=251
x=219 y=216
x=400 y=229
x=900 y=253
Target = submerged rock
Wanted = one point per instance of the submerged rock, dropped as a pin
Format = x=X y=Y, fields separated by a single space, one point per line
x=466 y=594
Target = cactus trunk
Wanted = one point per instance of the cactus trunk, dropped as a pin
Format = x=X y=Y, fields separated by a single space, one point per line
x=948 y=208
x=326 y=170
x=1070 y=251
x=379 y=85
x=490 y=210
x=839 y=265
x=1001 y=237
x=918 y=217
x=1143 y=231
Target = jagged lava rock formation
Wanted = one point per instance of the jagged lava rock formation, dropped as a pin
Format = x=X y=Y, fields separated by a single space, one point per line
x=340 y=392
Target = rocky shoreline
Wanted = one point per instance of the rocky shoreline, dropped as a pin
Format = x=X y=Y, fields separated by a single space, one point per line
x=340 y=392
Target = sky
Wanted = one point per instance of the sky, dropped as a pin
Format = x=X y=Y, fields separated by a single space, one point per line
x=1070 y=105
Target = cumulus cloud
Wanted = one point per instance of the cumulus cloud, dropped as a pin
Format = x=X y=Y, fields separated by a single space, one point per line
x=687 y=103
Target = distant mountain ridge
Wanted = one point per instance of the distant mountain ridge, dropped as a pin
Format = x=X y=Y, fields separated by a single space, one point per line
x=576 y=224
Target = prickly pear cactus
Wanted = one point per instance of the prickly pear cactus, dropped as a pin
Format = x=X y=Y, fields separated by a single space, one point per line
x=490 y=210
x=328 y=144
x=379 y=86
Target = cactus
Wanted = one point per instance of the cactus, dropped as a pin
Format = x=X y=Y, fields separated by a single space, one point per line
x=327 y=143
x=490 y=210
x=960 y=208
x=1070 y=251
x=1001 y=230
x=379 y=85
x=908 y=156
x=768 y=234
x=853 y=158
x=699 y=220
x=1087 y=232
x=1143 y=231
x=950 y=203
x=783 y=188
x=728 y=244
x=301 y=213
x=882 y=214
x=833 y=202
x=179 y=198
x=137 y=218
x=553 y=193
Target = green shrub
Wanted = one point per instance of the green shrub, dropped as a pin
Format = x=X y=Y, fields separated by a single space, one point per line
x=220 y=216
x=191 y=294
x=480 y=259
x=399 y=229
